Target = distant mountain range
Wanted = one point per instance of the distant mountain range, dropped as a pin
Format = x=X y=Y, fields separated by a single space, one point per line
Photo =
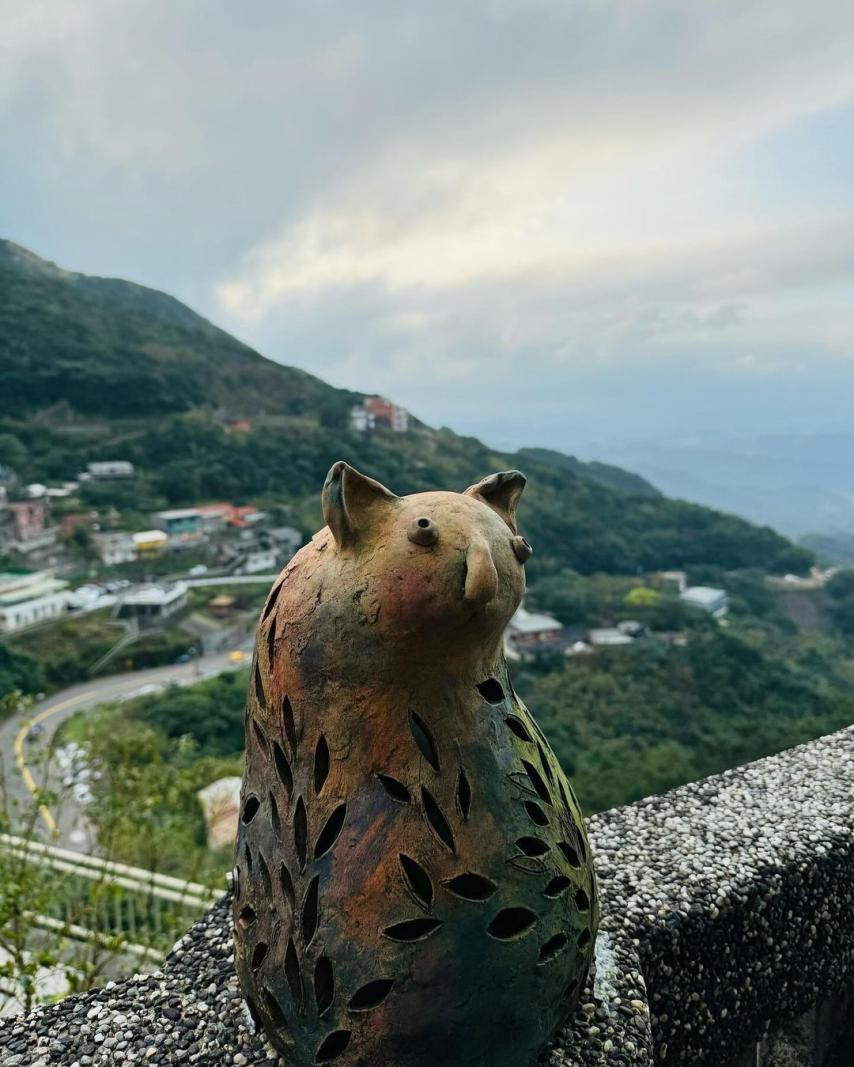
x=98 y=368
x=798 y=483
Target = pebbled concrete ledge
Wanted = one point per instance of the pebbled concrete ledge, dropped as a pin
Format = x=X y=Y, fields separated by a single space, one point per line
x=727 y=904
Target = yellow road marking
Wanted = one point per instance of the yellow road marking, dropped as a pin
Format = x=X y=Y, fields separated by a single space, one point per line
x=163 y=675
x=20 y=759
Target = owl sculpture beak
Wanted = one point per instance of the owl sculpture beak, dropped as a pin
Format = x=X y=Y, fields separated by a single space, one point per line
x=481 y=583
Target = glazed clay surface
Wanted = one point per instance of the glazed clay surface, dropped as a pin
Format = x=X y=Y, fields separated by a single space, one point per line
x=413 y=882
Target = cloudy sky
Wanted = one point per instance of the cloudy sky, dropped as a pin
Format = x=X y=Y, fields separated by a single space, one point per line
x=545 y=222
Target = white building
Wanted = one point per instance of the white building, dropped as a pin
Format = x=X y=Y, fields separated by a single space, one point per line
x=260 y=561
x=529 y=630
x=607 y=636
x=115 y=547
x=105 y=470
x=153 y=603
x=714 y=601
x=361 y=420
x=29 y=598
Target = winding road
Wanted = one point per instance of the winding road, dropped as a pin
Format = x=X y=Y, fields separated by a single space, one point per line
x=69 y=829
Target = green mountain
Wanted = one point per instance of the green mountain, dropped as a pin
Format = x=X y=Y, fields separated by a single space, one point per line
x=96 y=368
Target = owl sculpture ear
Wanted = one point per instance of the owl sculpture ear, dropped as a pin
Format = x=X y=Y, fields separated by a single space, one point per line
x=501 y=491
x=351 y=501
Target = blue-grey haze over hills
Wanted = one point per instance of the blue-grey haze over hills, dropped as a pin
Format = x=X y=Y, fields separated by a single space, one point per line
x=625 y=231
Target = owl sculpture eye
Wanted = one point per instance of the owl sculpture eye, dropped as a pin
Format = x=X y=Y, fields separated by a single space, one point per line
x=423 y=531
x=522 y=549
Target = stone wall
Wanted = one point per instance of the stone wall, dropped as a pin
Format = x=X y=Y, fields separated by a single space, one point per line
x=727 y=939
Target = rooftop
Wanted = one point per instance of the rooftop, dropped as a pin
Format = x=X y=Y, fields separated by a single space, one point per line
x=530 y=622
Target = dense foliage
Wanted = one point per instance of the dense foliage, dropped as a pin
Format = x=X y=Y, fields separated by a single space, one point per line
x=628 y=722
x=211 y=713
x=68 y=650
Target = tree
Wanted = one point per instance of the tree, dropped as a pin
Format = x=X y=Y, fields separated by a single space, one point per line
x=642 y=597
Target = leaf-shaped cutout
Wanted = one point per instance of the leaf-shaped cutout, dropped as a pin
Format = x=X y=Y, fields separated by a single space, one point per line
x=424 y=739
x=275 y=820
x=301 y=832
x=545 y=762
x=271 y=601
x=246 y=917
x=463 y=795
x=584 y=938
x=271 y=642
x=528 y=864
x=310 y=911
x=412 y=929
x=250 y=810
x=532 y=846
x=572 y=857
x=329 y=834
x=260 y=695
x=260 y=737
x=290 y=725
x=332 y=1046
x=370 y=996
x=274 y=1010
x=536 y=780
x=552 y=948
x=324 y=984
x=536 y=813
x=293 y=975
x=582 y=900
x=287 y=884
x=512 y=923
x=283 y=768
x=563 y=796
x=517 y=727
x=259 y=954
x=417 y=881
x=491 y=691
x=321 y=764
x=266 y=880
x=437 y=820
x=395 y=789
x=247 y=856
x=557 y=886
x=253 y=1014
x=470 y=886
x=522 y=783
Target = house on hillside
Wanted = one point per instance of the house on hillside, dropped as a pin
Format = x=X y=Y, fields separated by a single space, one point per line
x=531 y=631
x=27 y=527
x=109 y=470
x=114 y=547
x=714 y=601
x=29 y=598
x=377 y=411
x=361 y=420
x=183 y=526
x=387 y=414
x=153 y=603
x=150 y=543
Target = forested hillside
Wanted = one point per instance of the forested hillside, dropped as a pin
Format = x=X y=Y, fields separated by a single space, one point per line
x=97 y=368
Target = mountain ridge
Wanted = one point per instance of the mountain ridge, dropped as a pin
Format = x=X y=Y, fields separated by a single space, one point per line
x=93 y=365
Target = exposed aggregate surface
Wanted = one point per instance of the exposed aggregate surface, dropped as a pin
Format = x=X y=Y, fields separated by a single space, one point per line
x=725 y=903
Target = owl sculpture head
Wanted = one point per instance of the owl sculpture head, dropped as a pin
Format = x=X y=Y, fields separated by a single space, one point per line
x=443 y=567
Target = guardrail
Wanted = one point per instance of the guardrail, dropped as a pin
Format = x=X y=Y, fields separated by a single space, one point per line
x=102 y=898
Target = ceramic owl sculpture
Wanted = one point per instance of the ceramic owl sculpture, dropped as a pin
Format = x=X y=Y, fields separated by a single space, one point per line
x=413 y=885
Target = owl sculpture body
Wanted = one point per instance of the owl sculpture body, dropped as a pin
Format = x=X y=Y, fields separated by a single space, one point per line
x=413 y=883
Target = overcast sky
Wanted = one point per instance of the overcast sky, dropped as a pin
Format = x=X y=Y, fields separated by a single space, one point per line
x=545 y=222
